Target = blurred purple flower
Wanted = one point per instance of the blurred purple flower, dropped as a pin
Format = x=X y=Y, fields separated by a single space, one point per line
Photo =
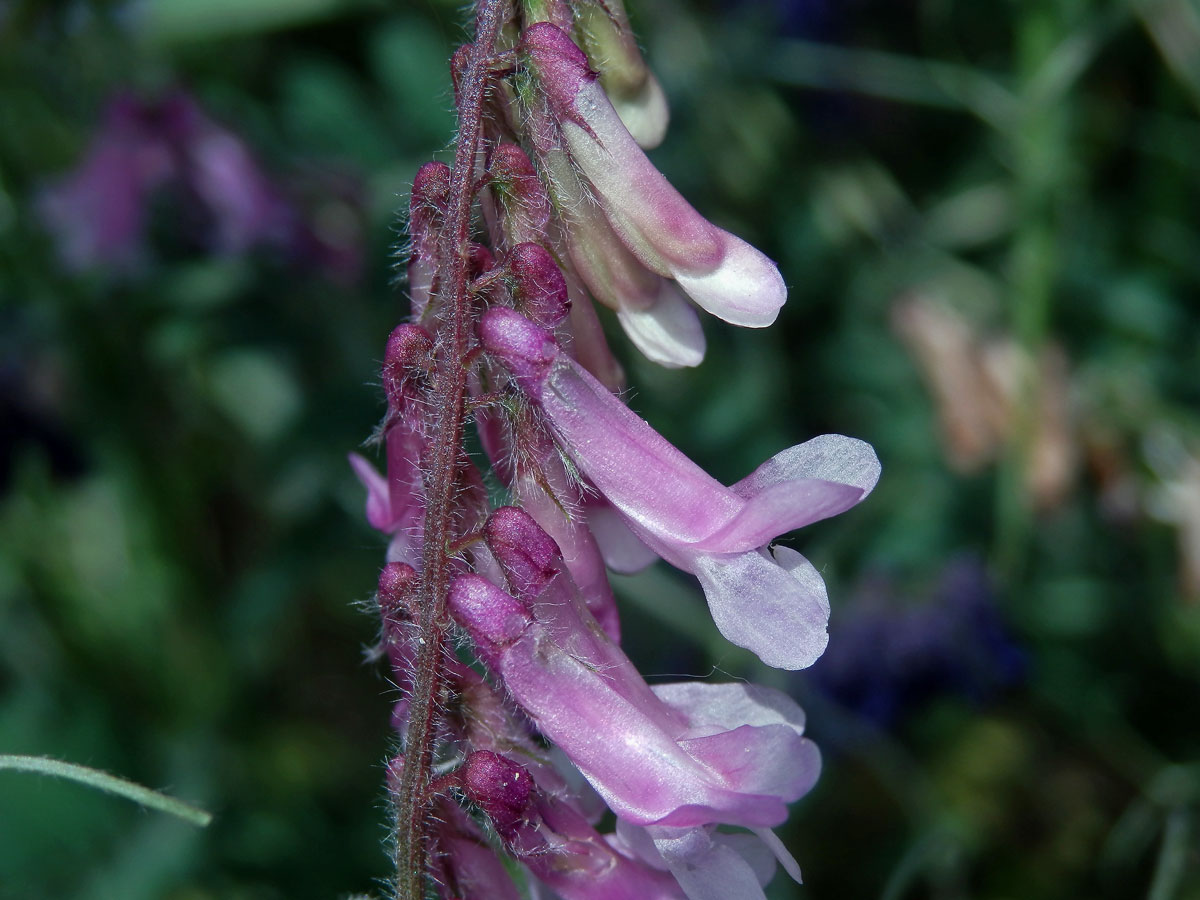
x=98 y=213
x=891 y=657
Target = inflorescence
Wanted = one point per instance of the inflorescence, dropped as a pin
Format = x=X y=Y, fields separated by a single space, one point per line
x=524 y=750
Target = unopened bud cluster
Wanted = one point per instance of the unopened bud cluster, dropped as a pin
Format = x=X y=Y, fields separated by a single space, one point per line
x=555 y=724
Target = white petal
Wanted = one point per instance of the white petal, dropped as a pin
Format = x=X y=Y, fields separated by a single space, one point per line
x=669 y=332
x=646 y=114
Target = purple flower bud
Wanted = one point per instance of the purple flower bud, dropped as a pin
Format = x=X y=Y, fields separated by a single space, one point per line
x=427 y=205
x=427 y=209
x=528 y=556
x=493 y=617
x=529 y=463
x=526 y=349
x=395 y=505
x=458 y=67
x=562 y=850
x=553 y=502
x=561 y=67
x=397 y=581
x=720 y=272
x=540 y=289
x=406 y=356
x=524 y=207
x=498 y=786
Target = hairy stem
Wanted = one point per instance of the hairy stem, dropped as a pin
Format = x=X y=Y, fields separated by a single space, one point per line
x=449 y=389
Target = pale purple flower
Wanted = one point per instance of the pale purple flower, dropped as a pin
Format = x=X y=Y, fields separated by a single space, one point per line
x=720 y=272
x=245 y=207
x=677 y=754
x=709 y=864
x=772 y=602
x=98 y=212
x=602 y=27
x=651 y=309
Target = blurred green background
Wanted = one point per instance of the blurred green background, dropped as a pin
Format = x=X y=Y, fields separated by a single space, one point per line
x=987 y=215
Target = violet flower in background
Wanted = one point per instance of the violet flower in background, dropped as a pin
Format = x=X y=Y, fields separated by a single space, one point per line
x=896 y=654
x=504 y=332
x=146 y=152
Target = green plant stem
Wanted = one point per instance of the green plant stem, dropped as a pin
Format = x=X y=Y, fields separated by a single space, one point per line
x=1037 y=148
x=110 y=784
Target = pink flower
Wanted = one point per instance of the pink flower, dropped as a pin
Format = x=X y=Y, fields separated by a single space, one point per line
x=679 y=754
x=720 y=272
x=772 y=602
x=709 y=864
x=651 y=309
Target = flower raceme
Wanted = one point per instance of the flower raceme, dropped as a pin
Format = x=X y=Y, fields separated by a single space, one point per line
x=553 y=724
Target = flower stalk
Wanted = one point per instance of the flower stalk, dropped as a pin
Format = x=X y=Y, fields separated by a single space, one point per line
x=412 y=805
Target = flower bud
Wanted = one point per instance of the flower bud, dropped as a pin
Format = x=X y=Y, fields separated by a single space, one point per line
x=562 y=69
x=498 y=786
x=613 y=51
x=539 y=286
x=524 y=206
x=527 y=350
x=427 y=206
x=528 y=555
x=492 y=617
x=458 y=67
x=397 y=582
x=406 y=357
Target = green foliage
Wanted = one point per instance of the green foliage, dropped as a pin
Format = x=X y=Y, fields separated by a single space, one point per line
x=177 y=598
